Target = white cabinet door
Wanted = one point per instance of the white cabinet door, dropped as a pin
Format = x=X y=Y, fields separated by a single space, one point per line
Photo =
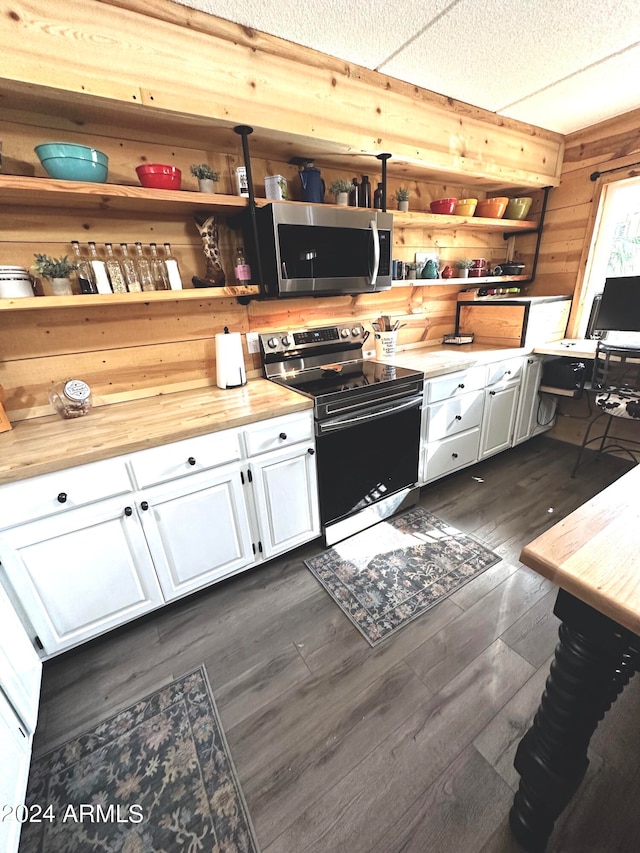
x=82 y=573
x=20 y=666
x=286 y=498
x=499 y=419
x=528 y=402
x=15 y=752
x=197 y=529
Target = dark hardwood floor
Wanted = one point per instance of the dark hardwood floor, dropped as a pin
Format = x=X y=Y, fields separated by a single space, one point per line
x=404 y=747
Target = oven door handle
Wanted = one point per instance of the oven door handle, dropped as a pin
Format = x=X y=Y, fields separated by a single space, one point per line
x=343 y=423
x=376 y=252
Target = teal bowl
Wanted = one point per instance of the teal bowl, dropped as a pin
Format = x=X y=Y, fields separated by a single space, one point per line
x=69 y=162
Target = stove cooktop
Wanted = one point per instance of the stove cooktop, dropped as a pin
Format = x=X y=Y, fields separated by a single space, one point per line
x=346 y=376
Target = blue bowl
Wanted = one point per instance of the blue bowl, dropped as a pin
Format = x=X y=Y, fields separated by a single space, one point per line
x=69 y=162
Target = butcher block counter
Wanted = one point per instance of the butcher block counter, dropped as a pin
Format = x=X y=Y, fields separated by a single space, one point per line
x=51 y=443
x=592 y=555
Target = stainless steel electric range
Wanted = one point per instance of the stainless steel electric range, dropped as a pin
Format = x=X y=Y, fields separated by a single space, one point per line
x=367 y=422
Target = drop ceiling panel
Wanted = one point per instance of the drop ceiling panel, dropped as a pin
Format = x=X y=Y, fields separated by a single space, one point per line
x=592 y=95
x=362 y=33
x=495 y=52
x=558 y=64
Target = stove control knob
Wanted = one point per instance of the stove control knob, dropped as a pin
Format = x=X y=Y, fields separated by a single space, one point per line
x=286 y=341
x=345 y=333
x=356 y=331
x=272 y=342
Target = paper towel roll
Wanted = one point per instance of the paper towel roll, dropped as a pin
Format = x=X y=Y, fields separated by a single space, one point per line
x=230 y=372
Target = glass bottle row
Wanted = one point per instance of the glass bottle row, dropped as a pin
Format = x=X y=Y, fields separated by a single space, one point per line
x=127 y=274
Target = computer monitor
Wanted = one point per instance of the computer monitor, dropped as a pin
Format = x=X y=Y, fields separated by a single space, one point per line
x=619 y=309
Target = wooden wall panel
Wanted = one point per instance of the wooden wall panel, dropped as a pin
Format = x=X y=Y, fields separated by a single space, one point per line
x=183 y=61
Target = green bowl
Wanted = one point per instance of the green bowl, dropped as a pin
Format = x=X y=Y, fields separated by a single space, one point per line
x=69 y=162
x=517 y=208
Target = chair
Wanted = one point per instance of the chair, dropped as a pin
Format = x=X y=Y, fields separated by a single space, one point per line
x=616 y=385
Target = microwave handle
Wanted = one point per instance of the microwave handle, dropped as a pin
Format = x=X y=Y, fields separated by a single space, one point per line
x=376 y=252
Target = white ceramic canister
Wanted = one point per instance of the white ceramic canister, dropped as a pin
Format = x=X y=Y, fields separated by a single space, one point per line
x=15 y=284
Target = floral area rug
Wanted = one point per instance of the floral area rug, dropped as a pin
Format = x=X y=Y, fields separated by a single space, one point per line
x=156 y=778
x=391 y=573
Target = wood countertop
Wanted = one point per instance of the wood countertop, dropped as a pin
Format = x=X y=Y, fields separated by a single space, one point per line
x=593 y=553
x=51 y=443
x=42 y=445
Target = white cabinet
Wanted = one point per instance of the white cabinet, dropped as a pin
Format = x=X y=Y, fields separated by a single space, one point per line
x=501 y=400
x=536 y=411
x=92 y=547
x=15 y=755
x=286 y=498
x=20 y=674
x=283 y=482
x=451 y=423
x=197 y=529
x=206 y=526
x=81 y=573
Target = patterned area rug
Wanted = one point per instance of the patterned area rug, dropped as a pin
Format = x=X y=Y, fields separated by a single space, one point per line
x=156 y=777
x=391 y=573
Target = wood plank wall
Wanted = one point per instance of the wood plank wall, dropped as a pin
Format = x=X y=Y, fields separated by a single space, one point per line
x=153 y=348
x=613 y=147
x=571 y=210
x=196 y=75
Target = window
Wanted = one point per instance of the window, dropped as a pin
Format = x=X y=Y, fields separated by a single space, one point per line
x=615 y=247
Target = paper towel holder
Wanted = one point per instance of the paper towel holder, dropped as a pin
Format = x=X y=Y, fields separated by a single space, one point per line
x=229 y=360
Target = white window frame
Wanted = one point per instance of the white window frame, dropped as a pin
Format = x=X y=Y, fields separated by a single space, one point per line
x=600 y=248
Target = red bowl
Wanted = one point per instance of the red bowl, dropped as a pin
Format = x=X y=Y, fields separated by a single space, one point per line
x=159 y=177
x=444 y=205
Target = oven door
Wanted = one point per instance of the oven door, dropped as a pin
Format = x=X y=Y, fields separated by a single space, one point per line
x=367 y=456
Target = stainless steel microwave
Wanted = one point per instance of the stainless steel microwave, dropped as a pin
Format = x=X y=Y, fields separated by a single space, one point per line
x=322 y=250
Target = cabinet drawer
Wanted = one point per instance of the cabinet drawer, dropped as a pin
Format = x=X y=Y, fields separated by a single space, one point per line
x=450 y=417
x=504 y=371
x=454 y=384
x=38 y=497
x=451 y=453
x=160 y=464
x=278 y=432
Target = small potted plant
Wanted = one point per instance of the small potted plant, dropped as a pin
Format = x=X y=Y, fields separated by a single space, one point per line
x=402 y=197
x=206 y=176
x=463 y=266
x=340 y=189
x=57 y=271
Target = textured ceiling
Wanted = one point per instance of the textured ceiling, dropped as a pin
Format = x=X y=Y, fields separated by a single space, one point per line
x=557 y=64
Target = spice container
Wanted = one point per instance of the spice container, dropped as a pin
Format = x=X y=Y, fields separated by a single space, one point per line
x=71 y=399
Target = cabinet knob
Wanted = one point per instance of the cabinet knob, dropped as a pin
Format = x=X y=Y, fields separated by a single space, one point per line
x=461 y=385
x=454 y=455
x=128 y=511
x=492 y=393
x=144 y=505
x=529 y=361
x=458 y=417
x=283 y=436
x=191 y=460
x=507 y=373
x=62 y=498
x=311 y=451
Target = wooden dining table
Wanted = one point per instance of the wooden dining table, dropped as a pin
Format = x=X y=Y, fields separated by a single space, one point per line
x=593 y=555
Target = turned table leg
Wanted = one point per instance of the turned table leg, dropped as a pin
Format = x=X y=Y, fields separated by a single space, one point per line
x=593 y=663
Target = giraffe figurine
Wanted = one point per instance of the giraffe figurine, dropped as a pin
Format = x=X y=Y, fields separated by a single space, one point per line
x=214 y=275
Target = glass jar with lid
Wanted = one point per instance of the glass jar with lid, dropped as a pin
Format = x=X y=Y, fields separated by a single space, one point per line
x=71 y=398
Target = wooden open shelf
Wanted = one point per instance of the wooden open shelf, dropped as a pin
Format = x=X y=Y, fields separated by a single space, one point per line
x=467 y=282
x=48 y=192
x=28 y=303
